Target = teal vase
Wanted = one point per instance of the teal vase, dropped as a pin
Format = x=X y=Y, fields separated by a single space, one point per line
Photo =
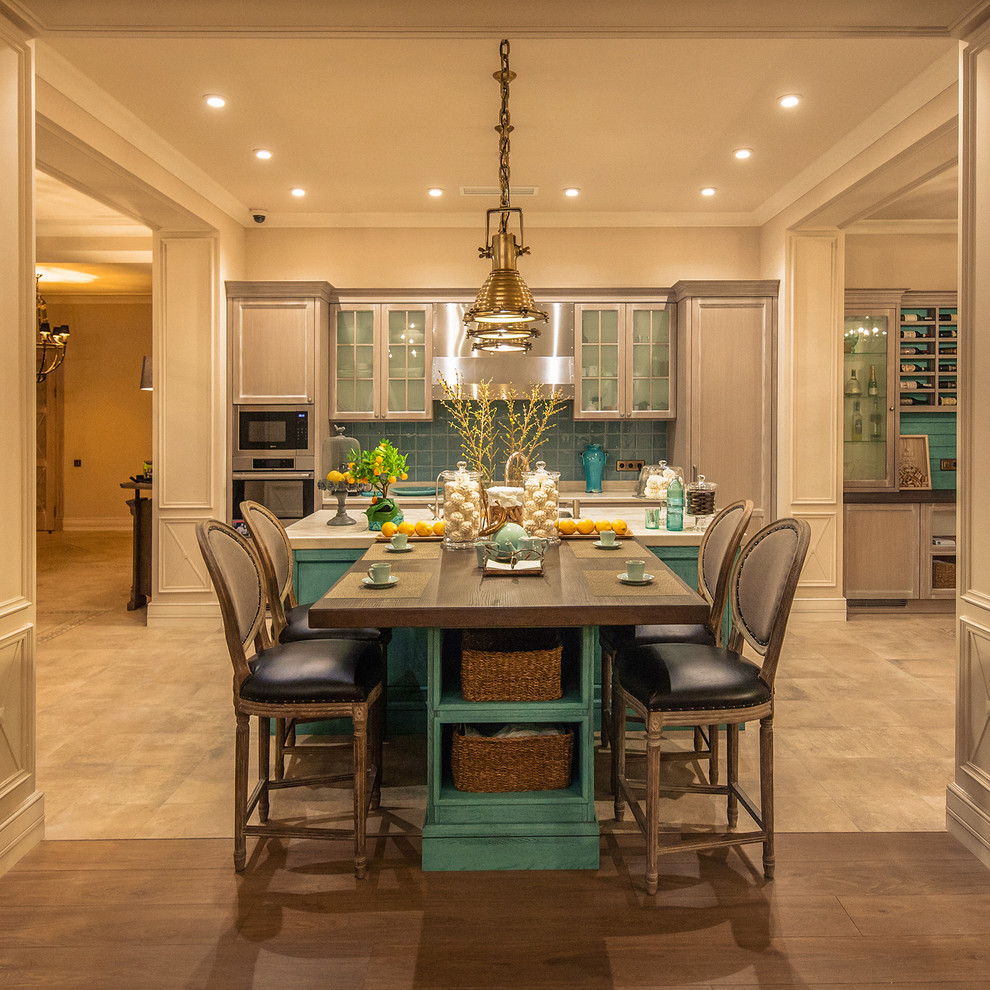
x=383 y=511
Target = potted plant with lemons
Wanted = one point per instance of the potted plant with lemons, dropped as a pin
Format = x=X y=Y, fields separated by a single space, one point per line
x=379 y=467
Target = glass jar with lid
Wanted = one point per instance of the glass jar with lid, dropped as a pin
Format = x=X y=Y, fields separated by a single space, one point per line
x=540 y=501
x=654 y=479
x=699 y=501
x=463 y=515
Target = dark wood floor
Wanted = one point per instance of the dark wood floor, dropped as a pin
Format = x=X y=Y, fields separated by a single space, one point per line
x=863 y=910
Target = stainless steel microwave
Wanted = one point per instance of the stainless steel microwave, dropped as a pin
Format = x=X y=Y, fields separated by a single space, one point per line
x=286 y=430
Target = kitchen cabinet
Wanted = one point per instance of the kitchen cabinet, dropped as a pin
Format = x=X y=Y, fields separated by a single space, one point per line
x=725 y=383
x=275 y=331
x=900 y=553
x=624 y=360
x=870 y=423
x=382 y=359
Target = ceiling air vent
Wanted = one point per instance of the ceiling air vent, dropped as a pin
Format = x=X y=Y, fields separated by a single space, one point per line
x=495 y=191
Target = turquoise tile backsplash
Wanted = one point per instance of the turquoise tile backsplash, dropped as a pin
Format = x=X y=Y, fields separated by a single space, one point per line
x=434 y=447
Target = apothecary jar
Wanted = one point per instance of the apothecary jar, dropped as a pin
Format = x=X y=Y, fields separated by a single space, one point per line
x=540 y=501
x=463 y=513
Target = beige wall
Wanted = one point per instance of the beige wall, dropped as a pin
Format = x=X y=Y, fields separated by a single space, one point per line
x=928 y=262
x=107 y=416
x=448 y=257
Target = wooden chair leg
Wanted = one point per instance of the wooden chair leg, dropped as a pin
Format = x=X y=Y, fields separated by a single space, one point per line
x=714 y=748
x=384 y=698
x=359 y=716
x=606 y=689
x=376 y=733
x=653 y=734
x=618 y=750
x=766 y=793
x=242 y=740
x=264 y=764
x=732 y=773
x=280 y=731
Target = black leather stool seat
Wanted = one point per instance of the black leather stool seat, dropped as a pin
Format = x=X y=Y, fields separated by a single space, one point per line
x=298 y=629
x=689 y=677
x=324 y=670
x=623 y=637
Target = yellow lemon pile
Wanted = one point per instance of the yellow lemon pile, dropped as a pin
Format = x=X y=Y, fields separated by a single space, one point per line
x=568 y=527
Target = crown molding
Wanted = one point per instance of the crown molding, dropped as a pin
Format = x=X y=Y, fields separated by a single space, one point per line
x=903 y=227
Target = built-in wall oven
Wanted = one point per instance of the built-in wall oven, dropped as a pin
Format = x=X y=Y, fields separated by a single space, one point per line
x=273 y=461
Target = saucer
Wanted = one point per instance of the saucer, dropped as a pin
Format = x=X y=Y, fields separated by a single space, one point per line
x=606 y=546
x=625 y=579
x=405 y=549
x=368 y=583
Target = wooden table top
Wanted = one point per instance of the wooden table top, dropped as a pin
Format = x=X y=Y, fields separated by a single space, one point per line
x=453 y=593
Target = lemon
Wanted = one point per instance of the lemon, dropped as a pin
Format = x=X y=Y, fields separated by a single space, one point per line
x=566 y=526
x=389 y=529
x=423 y=528
x=407 y=528
x=438 y=528
x=335 y=477
x=619 y=526
x=603 y=524
x=586 y=526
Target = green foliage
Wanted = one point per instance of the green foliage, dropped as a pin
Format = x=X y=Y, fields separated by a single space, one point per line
x=380 y=467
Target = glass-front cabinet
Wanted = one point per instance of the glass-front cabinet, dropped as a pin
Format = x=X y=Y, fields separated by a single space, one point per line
x=624 y=356
x=869 y=402
x=382 y=359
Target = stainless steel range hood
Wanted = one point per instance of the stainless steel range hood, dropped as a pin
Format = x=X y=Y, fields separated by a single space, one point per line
x=550 y=362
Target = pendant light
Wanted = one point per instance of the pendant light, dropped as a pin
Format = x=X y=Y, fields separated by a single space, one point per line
x=50 y=343
x=505 y=307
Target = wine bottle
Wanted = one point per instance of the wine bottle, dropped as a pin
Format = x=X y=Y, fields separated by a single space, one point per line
x=871 y=386
x=852 y=386
x=857 y=433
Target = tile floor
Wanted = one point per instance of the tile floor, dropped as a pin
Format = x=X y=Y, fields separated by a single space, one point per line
x=135 y=729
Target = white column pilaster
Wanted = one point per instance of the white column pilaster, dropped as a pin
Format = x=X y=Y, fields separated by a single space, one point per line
x=21 y=804
x=809 y=464
x=968 y=796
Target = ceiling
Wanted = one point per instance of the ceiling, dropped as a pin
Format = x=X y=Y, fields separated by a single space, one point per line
x=368 y=112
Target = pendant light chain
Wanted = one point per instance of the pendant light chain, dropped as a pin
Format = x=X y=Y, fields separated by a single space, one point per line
x=504 y=76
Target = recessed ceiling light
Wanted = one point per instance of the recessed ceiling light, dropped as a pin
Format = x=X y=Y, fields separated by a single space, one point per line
x=298 y=192
x=572 y=191
x=263 y=153
x=215 y=101
x=435 y=192
x=708 y=191
x=790 y=100
x=743 y=153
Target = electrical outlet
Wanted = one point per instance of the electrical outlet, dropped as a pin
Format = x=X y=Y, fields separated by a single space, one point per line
x=77 y=463
x=947 y=464
x=636 y=466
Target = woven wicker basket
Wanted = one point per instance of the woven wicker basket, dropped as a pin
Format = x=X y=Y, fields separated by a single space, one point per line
x=511 y=665
x=943 y=573
x=524 y=763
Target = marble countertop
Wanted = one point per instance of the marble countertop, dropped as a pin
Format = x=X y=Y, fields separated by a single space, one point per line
x=313 y=533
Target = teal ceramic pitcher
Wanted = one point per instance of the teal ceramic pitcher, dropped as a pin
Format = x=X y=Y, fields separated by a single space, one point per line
x=593 y=460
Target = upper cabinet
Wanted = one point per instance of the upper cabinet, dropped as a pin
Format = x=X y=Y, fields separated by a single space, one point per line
x=623 y=356
x=382 y=356
x=273 y=332
x=869 y=386
x=928 y=342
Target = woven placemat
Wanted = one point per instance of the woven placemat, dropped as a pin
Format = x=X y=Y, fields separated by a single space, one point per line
x=606 y=584
x=587 y=548
x=420 y=551
x=411 y=584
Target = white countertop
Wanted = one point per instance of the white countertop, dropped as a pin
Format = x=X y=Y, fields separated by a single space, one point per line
x=313 y=533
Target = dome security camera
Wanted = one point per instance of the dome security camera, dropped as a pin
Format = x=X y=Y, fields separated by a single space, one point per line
x=259 y=216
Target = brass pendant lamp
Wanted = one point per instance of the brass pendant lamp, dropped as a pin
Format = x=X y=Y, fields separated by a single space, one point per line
x=504 y=308
x=51 y=343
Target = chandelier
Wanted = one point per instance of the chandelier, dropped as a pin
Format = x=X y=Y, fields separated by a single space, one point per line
x=504 y=308
x=51 y=344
